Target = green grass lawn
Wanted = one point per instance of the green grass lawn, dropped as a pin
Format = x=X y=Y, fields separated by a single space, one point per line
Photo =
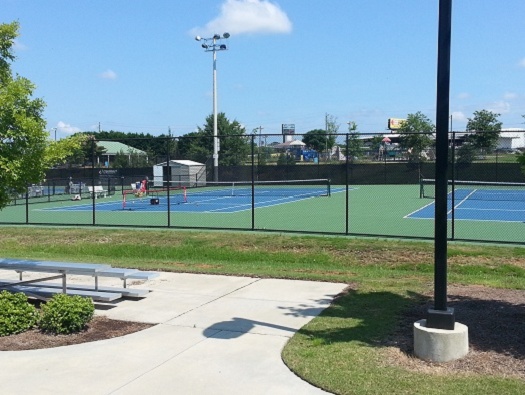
x=339 y=350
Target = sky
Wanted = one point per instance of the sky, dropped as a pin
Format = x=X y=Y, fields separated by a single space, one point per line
x=134 y=65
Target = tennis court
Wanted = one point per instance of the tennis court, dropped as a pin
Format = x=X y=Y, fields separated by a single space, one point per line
x=215 y=198
x=478 y=201
x=371 y=210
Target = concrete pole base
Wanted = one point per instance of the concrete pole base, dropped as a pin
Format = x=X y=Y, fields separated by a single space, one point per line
x=440 y=345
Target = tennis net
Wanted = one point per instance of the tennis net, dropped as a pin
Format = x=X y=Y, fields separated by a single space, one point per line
x=476 y=190
x=288 y=188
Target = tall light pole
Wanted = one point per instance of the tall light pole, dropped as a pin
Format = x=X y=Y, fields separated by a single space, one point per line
x=213 y=44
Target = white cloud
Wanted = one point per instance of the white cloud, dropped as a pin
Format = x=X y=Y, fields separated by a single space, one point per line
x=463 y=95
x=522 y=63
x=108 y=75
x=510 y=95
x=247 y=16
x=458 y=116
x=66 y=128
x=500 y=107
x=18 y=46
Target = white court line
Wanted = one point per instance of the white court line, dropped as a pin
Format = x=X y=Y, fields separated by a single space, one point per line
x=419 y=209
x=211 y=200
x=490 y=209
x=461 y=202
x=290 y=199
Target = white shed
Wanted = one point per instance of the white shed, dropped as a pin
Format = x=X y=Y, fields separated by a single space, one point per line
x=183 y=173
x=511 y=139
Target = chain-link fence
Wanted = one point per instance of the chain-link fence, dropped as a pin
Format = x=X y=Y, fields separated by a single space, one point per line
x=345 y=184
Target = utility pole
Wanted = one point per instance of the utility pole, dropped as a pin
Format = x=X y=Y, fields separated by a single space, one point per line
x=326 y=130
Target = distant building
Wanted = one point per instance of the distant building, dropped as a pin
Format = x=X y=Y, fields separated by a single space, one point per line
x=178 y=173
x=112 y=148
x=512 y=138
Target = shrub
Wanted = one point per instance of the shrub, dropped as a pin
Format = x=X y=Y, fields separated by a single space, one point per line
x=16 y=314
x=66 y=314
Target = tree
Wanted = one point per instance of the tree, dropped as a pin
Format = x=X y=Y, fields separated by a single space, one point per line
x=375 y=143
x=61 y=151
x=234 y=144
x=520 y=158
x=120 y=161
x=485 y=129
x=465 y=155
x=332 y=128
x=318 y=140
x=285 y=159
x=416 y=136
x=83 y=153
x=23 y=139
x=355 y=145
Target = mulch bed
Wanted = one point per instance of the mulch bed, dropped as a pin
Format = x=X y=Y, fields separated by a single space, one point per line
x=99 y=328
x=496 y=325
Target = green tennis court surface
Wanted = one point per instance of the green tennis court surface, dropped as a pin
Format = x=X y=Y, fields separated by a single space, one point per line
x=377 y=210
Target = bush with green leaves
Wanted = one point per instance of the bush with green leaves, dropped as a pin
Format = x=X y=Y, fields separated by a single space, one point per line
x=64 y=314
x=16 y=313
x=520 y=158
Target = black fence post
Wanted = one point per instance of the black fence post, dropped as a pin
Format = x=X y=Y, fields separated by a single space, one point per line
x=347 y=182
x=92 y=180
x=27 y=203
x=168 y=159
x=453 y=189
x=49 y=190
x=253 y=182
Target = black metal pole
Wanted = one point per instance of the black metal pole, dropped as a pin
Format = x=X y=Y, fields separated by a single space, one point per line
x=346 y=182
x=441 y=316
x=92 y=181
x=253 y=184
x=168 y=159
x=453 y=181
x=27 y=203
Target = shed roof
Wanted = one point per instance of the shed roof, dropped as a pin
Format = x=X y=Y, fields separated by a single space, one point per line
x=183 y=162
x=114 y=147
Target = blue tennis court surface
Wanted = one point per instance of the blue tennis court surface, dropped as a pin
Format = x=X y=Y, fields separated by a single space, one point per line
x=480 y=205
x=200 y=202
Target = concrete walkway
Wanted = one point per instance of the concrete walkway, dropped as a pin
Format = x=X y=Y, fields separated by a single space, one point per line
x=215 y=335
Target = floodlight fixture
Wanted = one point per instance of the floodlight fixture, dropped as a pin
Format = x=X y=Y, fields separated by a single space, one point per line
x=211 y=45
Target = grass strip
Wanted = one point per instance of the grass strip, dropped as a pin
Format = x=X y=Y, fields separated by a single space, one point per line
x=340 y=350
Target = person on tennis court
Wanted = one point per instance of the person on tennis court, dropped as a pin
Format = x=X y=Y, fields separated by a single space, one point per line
x=144 y=185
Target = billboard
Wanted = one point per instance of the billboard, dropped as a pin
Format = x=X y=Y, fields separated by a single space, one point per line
x=395 y=123
x=288 y=128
